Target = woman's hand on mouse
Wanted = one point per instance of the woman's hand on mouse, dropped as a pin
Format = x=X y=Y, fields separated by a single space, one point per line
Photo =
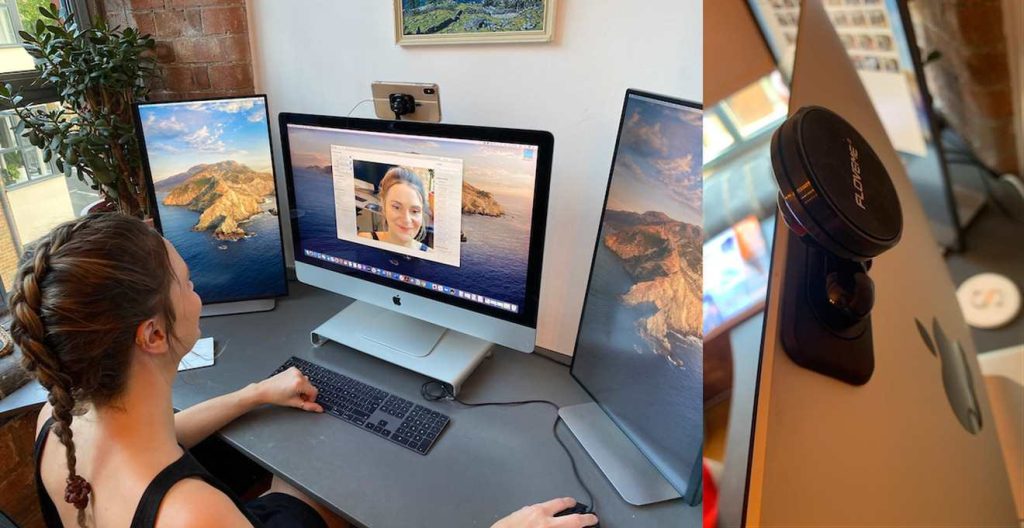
x=543 y=516
x=290 y=388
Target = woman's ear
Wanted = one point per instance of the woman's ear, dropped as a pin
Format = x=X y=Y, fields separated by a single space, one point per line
x=151 y=337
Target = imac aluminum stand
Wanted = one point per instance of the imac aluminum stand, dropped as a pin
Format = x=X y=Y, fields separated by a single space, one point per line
x=434 y=351
x=228 y=308
x=632 y=475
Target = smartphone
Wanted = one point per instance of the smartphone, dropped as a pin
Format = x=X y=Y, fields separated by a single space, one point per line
x=427 y=96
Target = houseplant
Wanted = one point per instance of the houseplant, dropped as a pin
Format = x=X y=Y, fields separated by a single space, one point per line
x=98 y=73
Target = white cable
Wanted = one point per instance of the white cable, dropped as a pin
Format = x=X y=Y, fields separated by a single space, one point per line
x=357 y=106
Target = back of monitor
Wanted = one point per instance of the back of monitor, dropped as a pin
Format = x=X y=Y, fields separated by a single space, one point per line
x=891 y=452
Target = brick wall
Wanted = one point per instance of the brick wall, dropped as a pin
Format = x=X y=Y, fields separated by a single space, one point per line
x=971 y=83
x=17 y=471
x=202 y=45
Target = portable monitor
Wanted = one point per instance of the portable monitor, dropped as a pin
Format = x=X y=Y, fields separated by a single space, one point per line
x=640 y=341
x=211 y=183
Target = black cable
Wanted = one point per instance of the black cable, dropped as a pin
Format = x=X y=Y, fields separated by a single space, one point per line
x=436 y=390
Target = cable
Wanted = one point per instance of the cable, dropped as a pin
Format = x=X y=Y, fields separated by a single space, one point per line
x=434 y=390
x=360 y=103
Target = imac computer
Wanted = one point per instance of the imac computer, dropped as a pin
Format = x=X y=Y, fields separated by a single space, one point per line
x=640 y=342
x=436 y=231
x=868 y=406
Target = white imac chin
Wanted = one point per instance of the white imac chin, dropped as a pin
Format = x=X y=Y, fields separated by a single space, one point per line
x=436 y=232
x=434 y=339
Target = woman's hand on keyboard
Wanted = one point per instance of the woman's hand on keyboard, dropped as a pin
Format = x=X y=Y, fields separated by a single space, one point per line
x=290 y=388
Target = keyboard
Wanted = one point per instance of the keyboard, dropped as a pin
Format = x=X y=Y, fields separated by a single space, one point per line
x=374 y=410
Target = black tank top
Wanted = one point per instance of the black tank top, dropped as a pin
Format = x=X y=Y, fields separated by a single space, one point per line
x=145 y=512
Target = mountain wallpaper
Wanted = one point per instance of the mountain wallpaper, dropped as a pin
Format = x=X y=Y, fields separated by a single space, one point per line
x=224 y=194
x=640 y=346
x=663 y=257
x=216 y=201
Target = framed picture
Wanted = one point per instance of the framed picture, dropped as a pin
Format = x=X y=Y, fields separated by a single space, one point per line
x=424 y=22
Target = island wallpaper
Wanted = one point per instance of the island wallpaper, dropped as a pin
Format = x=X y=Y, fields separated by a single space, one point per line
x=640 y=345
x=212 y=174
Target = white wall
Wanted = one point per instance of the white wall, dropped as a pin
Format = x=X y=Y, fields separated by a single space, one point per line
x=319 y=56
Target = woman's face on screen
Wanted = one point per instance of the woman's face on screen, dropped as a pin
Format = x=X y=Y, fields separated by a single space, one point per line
x=403 y=209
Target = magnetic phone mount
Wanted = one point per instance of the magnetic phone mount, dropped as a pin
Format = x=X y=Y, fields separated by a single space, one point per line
x=837 y=198
x=401 y=104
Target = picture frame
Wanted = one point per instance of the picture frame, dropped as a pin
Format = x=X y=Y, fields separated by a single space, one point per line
x=411 y=23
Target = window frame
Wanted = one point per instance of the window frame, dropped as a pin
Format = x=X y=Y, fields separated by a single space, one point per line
x=25 y=83
x=12 y=13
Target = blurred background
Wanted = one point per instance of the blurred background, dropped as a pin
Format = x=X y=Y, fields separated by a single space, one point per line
x=944 y=76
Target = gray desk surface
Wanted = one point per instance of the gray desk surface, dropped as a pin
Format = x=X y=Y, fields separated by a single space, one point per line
x=489 y=462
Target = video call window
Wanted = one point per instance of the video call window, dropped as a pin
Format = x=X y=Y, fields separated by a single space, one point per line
x=472 y=201
x=406 y=203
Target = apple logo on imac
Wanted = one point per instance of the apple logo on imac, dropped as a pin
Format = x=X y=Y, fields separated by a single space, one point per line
x=397 y=299
x=956 y=376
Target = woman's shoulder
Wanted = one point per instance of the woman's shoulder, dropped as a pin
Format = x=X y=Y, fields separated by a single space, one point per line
x=44 y=414
x=193 y=502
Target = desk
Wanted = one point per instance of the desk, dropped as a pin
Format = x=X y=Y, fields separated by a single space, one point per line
x=489 y=462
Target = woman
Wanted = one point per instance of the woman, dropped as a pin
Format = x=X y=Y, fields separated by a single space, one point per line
x=103 y=312
x=404 y=201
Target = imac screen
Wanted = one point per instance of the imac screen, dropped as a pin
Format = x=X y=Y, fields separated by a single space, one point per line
x=443 y=214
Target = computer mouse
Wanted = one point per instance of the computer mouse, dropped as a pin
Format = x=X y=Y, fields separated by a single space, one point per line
x=578 y=508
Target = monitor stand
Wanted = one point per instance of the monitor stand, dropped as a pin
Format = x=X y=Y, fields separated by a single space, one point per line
x=632 y=475
x=434 y=351
x=228 y=308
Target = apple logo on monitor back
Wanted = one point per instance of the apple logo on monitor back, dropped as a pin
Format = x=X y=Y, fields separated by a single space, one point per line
x=397 y=299
x=956 y=376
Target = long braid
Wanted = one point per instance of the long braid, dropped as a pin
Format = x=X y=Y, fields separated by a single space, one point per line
x=77 y=301
x=30 y=334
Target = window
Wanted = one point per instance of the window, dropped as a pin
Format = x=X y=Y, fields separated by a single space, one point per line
x=745 y=116
x=717 y=138
x=20 y=162
x=758 y=106
x=16 y=15
x=34 y=196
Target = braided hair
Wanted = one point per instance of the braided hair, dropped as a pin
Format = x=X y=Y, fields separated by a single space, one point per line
x=77 y=299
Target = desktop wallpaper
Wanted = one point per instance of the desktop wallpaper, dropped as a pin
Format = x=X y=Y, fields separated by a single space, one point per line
x=639 y=350
x=497 y=203
x=214 y=183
